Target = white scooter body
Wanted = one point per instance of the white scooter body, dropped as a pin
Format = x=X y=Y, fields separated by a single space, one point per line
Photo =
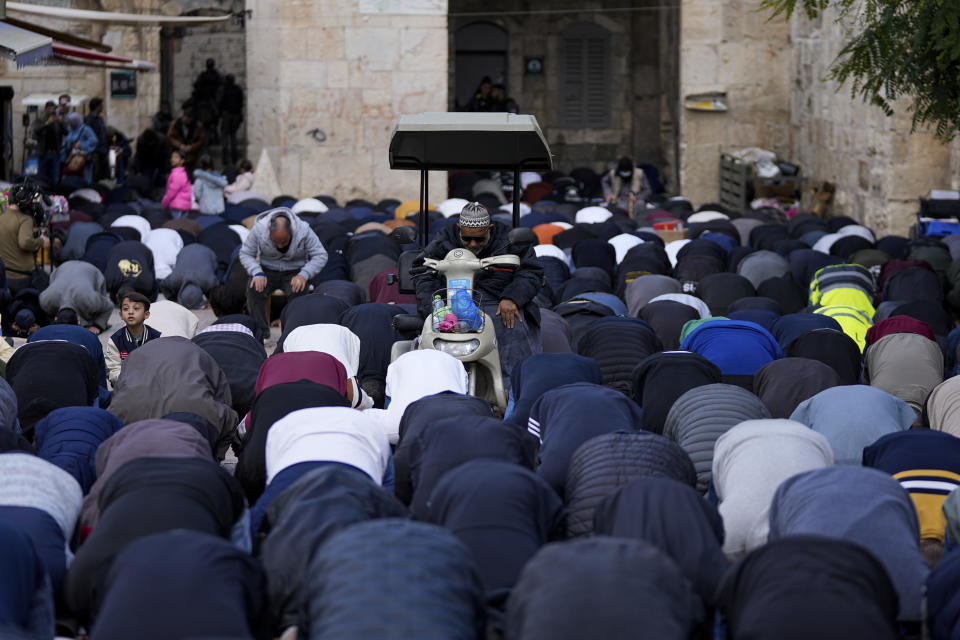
x=476 y=350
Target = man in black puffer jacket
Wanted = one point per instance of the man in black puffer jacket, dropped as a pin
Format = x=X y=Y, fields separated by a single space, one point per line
x=508 y=296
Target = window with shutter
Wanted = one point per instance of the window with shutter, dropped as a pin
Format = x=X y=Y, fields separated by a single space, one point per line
x=584 y=86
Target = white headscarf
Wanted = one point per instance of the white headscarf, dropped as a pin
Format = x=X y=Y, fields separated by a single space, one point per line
x=590 y=215
x=132 y=221
x=165 y=244
x=309 y=205
x=706 y=216
x=857 y=230
x=529 y=177
x=327 y=434
x=338 y=341
x=825 y=242
x=241 y=231
x=623 y=243
x=508 y=208
x=415 y=375
x=172 y=319
x=551 y=251
x=452 y=207
x=749 y=463
x=673 y=248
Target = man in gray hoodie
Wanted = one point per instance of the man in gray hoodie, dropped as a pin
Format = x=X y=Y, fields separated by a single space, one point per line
x=280 y=252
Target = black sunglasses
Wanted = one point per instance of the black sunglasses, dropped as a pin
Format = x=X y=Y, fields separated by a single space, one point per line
x=474 y=239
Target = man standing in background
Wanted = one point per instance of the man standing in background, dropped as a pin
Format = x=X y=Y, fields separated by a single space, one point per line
x=231 y=115
x=206 y=93
x=95 y=121
x=48 y=131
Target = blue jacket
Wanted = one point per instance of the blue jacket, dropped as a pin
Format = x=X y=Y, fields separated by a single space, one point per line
x=569 y=415
x=85 y=135
x=736 y=347
x=69 y=438
x=208 y=190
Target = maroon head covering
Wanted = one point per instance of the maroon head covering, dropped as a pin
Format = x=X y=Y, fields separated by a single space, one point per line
x=314 y=366
x=381 y=291
x=899 y=324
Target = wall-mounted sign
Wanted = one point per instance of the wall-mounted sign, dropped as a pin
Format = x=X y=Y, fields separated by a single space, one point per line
x=533 y=66
x=715 y=101
x=123 y=84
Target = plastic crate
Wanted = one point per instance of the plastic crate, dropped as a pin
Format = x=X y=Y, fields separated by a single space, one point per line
x=939 y=208
x=776 y=187
x=735 y=183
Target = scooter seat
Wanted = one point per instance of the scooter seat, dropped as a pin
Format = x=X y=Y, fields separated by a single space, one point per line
x=408 y=325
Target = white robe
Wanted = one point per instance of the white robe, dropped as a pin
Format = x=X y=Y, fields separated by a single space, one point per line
x=165 y=244
x=327 y=434
x=172 y=319
x=415 y=375
x=141 y=224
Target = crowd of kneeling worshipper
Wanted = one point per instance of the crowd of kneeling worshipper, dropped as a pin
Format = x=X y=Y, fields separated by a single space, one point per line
x=752 y=432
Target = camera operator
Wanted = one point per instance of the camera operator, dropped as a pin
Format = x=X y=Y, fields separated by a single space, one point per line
x=22 y=233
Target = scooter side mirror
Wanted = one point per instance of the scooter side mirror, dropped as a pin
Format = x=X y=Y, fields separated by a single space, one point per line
x=405 y=283
x=522 y=238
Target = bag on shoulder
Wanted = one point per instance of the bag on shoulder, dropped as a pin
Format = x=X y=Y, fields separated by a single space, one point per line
x=75 y=164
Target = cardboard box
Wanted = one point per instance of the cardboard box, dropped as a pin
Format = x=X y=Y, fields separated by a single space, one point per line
x=669 y=235
x=774 y=187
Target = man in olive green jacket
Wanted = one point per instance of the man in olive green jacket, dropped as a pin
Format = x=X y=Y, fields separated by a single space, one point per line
x=18 y=244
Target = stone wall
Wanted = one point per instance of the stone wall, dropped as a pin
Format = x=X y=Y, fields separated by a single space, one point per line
x=327 y=80
x=130 y=116
x=640 y=57
x=879 y=168
x=728 y=46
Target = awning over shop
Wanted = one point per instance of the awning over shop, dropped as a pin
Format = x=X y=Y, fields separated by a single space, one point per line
x=88 y=57
x=64 y=13
x=61 y=36
x=40 y=99
x=22 y=46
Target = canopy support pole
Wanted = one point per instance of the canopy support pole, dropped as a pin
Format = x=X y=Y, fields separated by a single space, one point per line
x=516 y=196
x=424 y=205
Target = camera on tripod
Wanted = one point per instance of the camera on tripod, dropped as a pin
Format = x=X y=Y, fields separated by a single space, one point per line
x=28 y=197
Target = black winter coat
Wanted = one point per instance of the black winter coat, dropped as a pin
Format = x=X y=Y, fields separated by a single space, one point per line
x=521 y=286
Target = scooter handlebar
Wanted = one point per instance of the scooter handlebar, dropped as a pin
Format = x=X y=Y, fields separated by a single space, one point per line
x=505 y=260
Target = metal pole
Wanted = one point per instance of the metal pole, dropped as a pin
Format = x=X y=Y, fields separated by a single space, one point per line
x=420 y=216
x=516 y=197
x=425 y=214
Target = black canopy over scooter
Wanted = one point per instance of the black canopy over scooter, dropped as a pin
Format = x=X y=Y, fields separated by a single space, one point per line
x=468 y=141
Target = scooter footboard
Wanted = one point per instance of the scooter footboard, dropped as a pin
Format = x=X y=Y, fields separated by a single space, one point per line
x=401 y=347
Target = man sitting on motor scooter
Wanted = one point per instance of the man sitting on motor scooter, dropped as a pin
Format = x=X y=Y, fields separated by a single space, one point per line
x=508 y=295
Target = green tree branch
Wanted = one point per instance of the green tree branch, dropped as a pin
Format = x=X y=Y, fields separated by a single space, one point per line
x=908 y=49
